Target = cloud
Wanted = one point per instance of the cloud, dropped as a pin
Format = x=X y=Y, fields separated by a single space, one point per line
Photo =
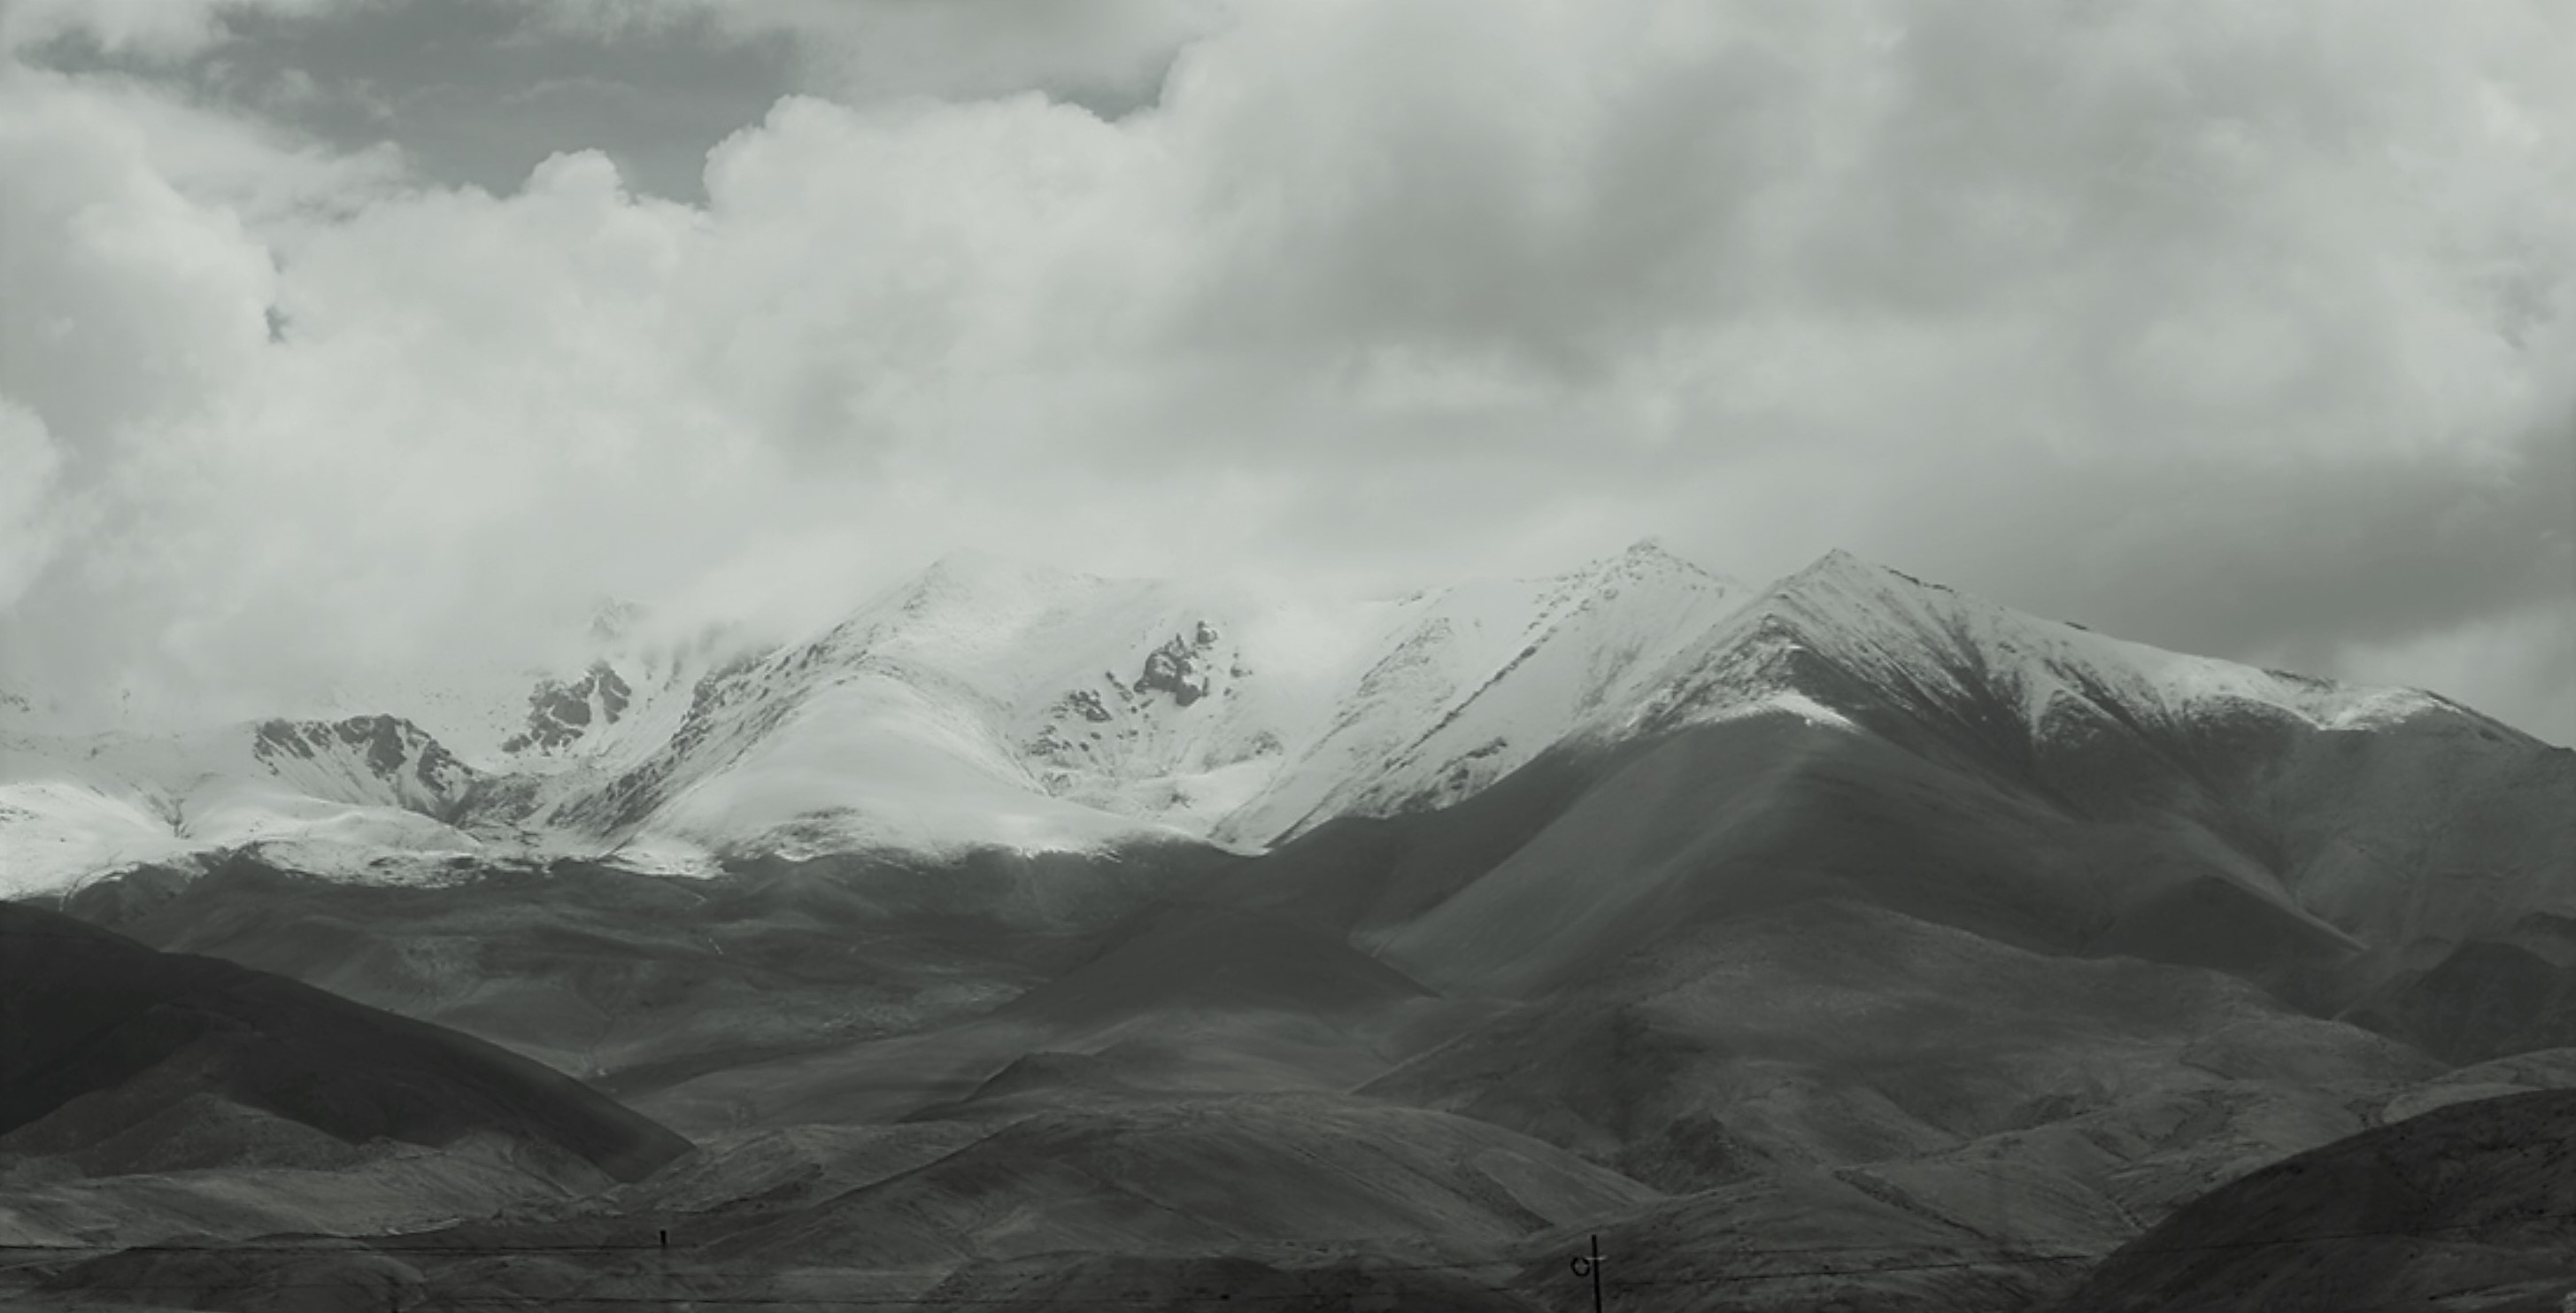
x=2523 y=660
x=30 y=516
x=2244 y=328
x=149 y=29
x=1111 y=51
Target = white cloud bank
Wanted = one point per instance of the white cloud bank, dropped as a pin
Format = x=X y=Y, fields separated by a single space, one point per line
x=2241 y=327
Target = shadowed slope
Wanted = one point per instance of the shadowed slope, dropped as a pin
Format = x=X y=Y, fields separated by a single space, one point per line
x=100 y=1035
x=1834 y=1032
x=638 y=981
x=2469 y=1206
x=1208 y=1177
x=2396 y=815
x=1753 y=813
x=2513 y=993
x=1181 y=1000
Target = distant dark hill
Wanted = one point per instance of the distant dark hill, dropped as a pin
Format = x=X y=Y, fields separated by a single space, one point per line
x=172 y=1061
x=1188 y=956
x=636 y=981
x=1187 y=1284
x=1833 y=1032
x=2486 y=998
x=1180 y=1000
x=2471 y=1206
x=1204 y=1176
x=1803 y=1241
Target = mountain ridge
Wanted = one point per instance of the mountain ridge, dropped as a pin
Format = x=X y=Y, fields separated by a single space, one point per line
x=993 y=702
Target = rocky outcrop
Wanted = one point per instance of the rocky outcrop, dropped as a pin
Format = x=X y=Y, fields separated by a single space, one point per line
x=1179 y=667
x=561 y=712
x=390 y=749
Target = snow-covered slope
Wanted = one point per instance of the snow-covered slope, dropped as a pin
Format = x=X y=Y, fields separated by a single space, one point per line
x=990 y=702
x=1482 y=677
x=1941 y=652
x=337 y=797
x=614 y=690
x=2395 y=814
x=993 y=703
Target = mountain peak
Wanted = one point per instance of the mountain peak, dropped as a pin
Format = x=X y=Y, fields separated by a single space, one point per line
x=1843 y=564
x=992 y=578
x=1648 y=557
x=1949 y=656
x=1840 y=589
x=1651 y=551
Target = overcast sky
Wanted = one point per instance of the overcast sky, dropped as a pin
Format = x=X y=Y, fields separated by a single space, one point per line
x=367 y=331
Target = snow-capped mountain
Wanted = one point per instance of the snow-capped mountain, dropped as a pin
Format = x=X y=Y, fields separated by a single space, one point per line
x=1952 y=656
x=994 y=702
x=616 y=689
x=991 y=703
x=2338 y=798
x=335 y=797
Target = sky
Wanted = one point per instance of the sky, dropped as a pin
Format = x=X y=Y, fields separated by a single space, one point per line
x=343 y=334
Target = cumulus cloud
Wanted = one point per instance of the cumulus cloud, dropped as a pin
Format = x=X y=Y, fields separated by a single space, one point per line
x=2243 y=328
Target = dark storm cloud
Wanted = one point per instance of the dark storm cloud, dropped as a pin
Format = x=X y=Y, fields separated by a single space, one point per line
x=473 y=91
x=480 y=91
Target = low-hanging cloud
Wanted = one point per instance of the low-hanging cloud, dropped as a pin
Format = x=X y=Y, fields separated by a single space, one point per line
x=2247 y=328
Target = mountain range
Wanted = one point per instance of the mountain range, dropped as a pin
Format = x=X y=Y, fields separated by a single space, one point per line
x=989 y=943
x=990 y=704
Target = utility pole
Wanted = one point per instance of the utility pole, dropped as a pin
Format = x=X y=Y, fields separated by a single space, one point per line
x=1590 y=1266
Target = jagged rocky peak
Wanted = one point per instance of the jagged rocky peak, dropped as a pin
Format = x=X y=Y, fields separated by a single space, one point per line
x=386 y=744
x=560 y=712
x=1651 y=553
